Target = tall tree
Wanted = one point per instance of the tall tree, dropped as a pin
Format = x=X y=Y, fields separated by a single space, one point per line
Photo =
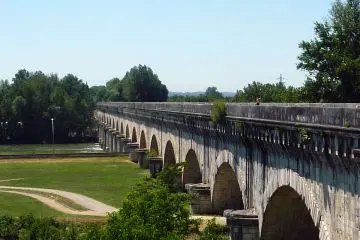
x=212 y=94
x=141 y=84
x=333 y=57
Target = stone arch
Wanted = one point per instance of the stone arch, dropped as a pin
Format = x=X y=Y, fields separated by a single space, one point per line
x=191 y=173
x=134 y=136
x=154 y=145
x=169 y=154
x=287 y=217
x=121 y=128
x=142 y=140
x=127 y=132
x=226 y=191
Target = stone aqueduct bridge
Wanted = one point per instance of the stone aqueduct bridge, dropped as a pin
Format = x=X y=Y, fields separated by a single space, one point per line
x=294 y=168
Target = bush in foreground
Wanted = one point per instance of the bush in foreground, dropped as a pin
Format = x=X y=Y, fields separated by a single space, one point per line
x=30 y=228
x=152 y=211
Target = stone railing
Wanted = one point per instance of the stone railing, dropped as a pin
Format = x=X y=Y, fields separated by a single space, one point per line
x=343 y=115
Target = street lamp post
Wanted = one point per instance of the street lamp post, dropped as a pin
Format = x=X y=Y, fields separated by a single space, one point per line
x=52 y=127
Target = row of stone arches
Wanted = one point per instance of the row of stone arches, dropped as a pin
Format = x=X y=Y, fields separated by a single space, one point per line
x=286 y=215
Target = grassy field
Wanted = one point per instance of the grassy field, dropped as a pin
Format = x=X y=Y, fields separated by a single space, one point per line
x=49 y=148
x=15 y=205
x=105 y=179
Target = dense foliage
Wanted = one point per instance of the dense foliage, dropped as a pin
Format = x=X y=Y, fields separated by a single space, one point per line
x=140 y=84
x=214 y=231
x=33 y=98
x=30 y=228
x=333 y=57
x=211 y=94
x=218 y=113
x=268 y=92
x=154 y=210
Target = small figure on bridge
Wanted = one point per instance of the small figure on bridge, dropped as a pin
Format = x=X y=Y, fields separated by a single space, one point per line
x=258 y=100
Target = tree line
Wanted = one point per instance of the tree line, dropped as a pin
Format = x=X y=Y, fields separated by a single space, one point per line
x=140 y=84
x=331 y=60
x=27 y=104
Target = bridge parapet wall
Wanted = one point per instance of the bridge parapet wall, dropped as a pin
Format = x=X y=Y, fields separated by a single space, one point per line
x=345 y=115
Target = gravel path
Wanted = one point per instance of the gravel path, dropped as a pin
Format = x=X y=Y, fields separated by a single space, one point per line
x=12 y=179
x=95 y=207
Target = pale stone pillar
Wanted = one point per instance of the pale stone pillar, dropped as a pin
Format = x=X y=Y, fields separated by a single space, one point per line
x=111 y=139
x=243 y=224
x=118 y=143
x=201 y=204
x=105 y=139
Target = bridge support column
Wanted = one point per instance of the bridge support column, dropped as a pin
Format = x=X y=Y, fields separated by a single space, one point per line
x=124 y=143
x=201 y=204
x=101 y=136
x=108 y=140
x=113 y=142
x=155 y=165
x=142 y=157
x=119 y=143
x=132 y=151
x=105 y=144
x=243 y=224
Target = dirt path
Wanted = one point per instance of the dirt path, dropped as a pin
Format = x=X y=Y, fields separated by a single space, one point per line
x=95 y=207
x=12 y=179
x=55 y=205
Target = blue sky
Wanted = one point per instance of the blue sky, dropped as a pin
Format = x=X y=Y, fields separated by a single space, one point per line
x=190 y=44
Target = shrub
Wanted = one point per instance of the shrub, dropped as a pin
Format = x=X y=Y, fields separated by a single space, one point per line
x=171 y=177
x=305 y=137
x=152 y=153
x=152 y=211
x=214 y=231
x=239 y=125
x=30 y=228
x=218 y=113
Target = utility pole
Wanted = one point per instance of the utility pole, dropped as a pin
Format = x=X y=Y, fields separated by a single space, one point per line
x=281 y=78
x=52 y=127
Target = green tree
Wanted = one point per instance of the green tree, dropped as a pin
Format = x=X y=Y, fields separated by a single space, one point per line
x=140 y=84
x=155 y=209
x=268 y=92
x=114 y=90
x=18 y=106
x=151 y=212
x=333 y=57
x=99 y=93
x=213 y=94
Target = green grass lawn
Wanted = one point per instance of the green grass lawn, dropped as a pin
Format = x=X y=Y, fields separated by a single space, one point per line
x=105 y=179
x=16 y=205
x=49 y=148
